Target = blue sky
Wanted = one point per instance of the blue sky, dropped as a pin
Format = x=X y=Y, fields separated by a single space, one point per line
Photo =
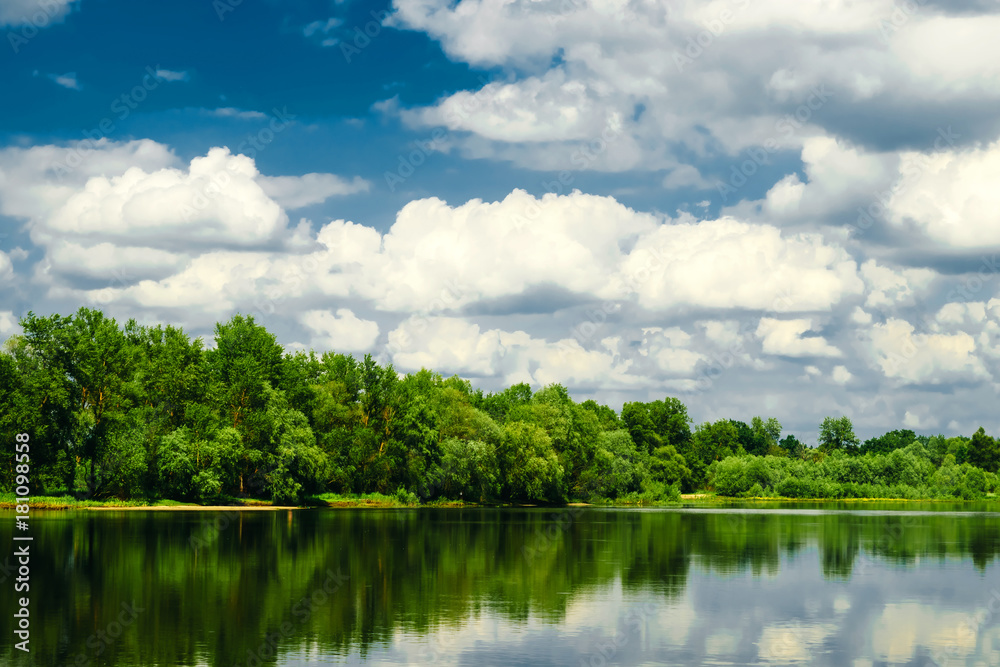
x=763 y=209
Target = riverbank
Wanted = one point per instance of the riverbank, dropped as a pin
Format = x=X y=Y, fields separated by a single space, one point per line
x=713 y=498
x=380 y=501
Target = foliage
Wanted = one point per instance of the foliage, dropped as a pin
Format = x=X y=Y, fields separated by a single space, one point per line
x=133 y=412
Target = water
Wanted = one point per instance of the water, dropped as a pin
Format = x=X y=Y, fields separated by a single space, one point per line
x=851 y=584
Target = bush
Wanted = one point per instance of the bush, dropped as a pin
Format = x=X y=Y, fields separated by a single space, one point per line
x=731 y=478
x=406 y=497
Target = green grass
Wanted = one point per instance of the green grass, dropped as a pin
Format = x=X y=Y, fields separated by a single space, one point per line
x=66 y=501
x=359 y=500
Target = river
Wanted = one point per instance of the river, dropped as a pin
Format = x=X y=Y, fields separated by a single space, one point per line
x=858 y=584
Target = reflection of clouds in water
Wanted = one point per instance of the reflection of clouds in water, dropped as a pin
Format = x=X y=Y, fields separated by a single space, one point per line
x=894 y=617
x=792 y=642
x=904 y=627
x=722 y=643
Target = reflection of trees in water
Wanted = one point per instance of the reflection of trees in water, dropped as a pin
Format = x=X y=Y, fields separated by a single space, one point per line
x=412 y=571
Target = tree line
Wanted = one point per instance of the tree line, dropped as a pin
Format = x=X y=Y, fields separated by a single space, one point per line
x=148 y=412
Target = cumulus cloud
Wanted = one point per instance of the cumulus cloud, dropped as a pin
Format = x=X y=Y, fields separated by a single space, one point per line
x=37 y=13
x=784 y=338
x=915 y=358
x=668 y=349
x=8 y=324
x=341 y=332
x=726 y=263
x=292 y=192
x=454 y=345
x=841 y=375
x=888 y=287
x=126 y=212
x=950 y=196
x=678 y=77
x=216 y=199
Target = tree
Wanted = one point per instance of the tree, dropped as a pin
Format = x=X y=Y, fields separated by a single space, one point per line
x=888 y=442
x=529 y=463
x=984 y=451
x=837 y=434
x=792 y=446
x=711 y=442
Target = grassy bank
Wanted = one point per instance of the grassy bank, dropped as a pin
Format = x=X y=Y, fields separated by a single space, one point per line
x=708 y=497
x=68 y=501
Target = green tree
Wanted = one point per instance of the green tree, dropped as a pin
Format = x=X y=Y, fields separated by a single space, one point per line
x=984 y=451
x=793 y=447
x=530 y=464
x=888 y=442
x=837 y=434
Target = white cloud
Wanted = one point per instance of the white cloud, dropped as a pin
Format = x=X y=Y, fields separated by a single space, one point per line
x=921 y=419
x=453 y=345
x=341 y=332
x=321 y=27
x=8 y=324
x=724 y=333
x=730 y=264
x=36 y=181
x=171 y=75
x=784 y=338
x=691 y=68
x=958 y=313
x=668 y=348
x=686 y=176
x=889 y=287
x=37 y=13
x=950 y=196
x=6 y=267
x=292 y=192
x=232 y=112
x=841 y=375
x=913 y=358
x=115 y=263
x=859 y=316
x=837 y=176
x=67 y=80
x=216 y=199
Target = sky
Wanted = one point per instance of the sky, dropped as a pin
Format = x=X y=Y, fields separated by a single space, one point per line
x=759 y=207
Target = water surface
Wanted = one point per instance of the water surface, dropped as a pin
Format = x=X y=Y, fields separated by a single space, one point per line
x=827 y=584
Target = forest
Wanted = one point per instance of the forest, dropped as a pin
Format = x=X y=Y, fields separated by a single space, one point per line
x=147 y=412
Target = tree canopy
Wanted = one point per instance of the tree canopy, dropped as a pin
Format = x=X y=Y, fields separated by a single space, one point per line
x=148 y=412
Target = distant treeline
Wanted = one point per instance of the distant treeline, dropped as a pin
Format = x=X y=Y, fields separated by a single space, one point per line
x=147 y=412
